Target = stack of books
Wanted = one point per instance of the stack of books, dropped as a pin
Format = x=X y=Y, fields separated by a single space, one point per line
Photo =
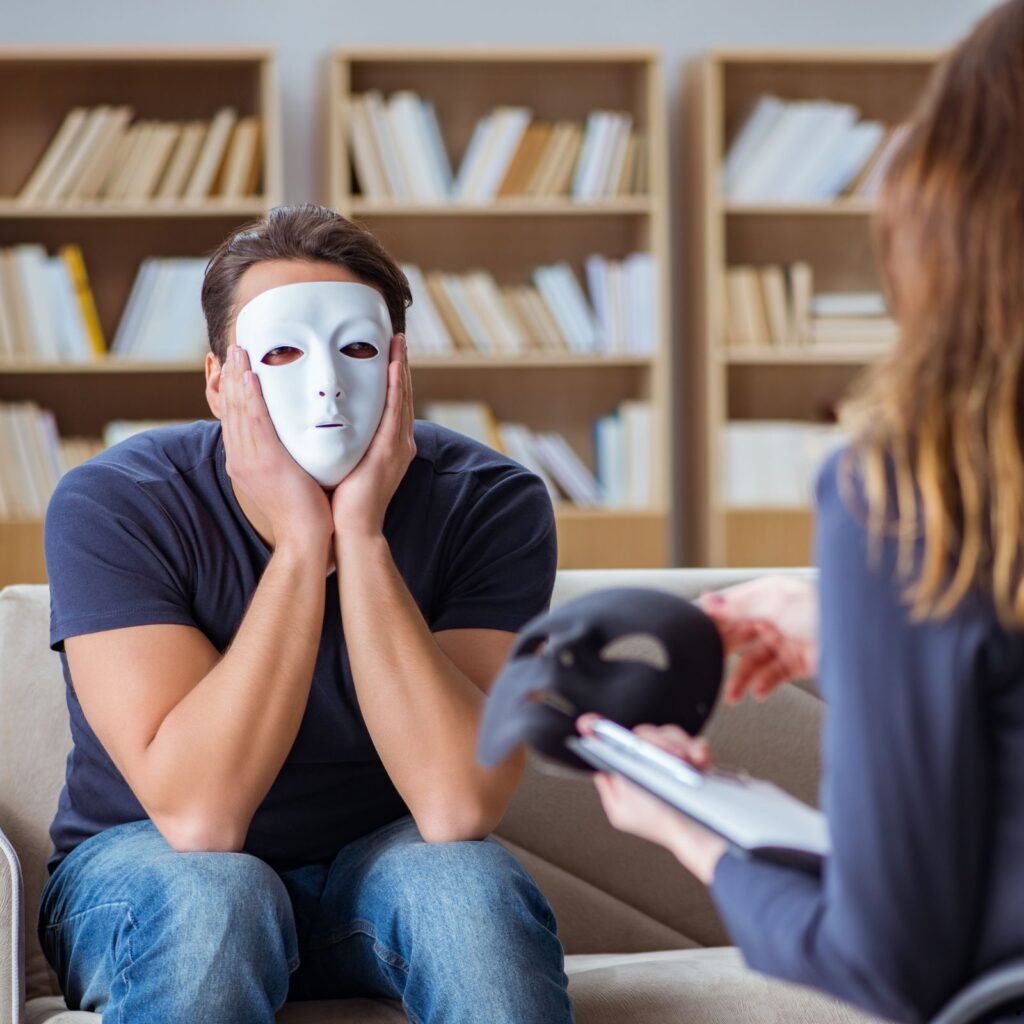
x=806 y=151
x=399 y=154
x=47 y=309
x=622 y=445
x=163 y=319
x=472 y=313
x=775 y=463
x=776 y=307
x=33 y=458
x=102 y=155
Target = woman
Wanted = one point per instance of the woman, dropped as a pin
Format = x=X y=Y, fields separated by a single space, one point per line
x=920 y=523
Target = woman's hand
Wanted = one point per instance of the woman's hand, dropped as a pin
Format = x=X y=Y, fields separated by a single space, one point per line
x=772 y=624
x=632 y=809
x=360 y=501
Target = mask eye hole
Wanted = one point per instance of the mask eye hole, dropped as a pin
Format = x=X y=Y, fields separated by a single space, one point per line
x=281 y=356
x=642 y=647
x=359 y=350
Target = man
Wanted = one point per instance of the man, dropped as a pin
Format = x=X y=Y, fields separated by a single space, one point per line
x=277 y=633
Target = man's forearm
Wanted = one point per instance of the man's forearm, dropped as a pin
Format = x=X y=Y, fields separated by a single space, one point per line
x=421 y=710
x=216 y=754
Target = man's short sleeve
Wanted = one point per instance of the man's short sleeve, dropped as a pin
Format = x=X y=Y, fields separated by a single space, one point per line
x=501 y=558
x=113 y=557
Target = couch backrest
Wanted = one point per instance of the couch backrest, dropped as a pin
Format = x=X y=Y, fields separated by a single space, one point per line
x=610 y=892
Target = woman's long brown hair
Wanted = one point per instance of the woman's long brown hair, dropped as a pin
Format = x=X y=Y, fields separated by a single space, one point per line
x=937 y=425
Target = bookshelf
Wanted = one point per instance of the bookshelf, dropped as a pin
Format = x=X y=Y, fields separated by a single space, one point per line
x=510 y=236
x=834 y=238
x=37 y=89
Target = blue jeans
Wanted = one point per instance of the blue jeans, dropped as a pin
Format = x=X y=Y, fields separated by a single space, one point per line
x=145 y=935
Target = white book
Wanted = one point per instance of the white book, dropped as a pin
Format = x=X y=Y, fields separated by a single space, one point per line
x=625 y=335
x=598 y=126
x=72 y=337
x=442 y=165
x=411 y=146
x=754 y=815
x=755 y=130
x=173 y=328
x=825 y=138
x=849 y=304
x=387 y=146
x=507 y=333
x=368 y=162
x=211 y=156
x=138 y=298
x=856 y=148
x=32 y=471
x=511 y=124
x=425 y=328
x=598 y=272
x=610 y=458
x=471 y=419
x=102 y=162
x=562 y=293
x=518 y=442
x=642 y=302
x=469 y=166
x=567 y=469
x=638 y=441
x=182 y=161
x=778 y=155
x=33 y=282
x=610 y=155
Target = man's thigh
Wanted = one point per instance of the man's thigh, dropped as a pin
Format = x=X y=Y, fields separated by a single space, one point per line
x=124 y=910
x=391 y=905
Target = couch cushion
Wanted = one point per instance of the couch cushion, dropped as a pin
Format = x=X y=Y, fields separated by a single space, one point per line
x=34 y=740
x=698 y=986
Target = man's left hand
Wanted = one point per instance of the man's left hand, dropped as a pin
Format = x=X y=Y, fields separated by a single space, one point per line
x=360 y=501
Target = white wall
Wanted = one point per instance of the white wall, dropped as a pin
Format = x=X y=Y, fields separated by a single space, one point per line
x=304 y=31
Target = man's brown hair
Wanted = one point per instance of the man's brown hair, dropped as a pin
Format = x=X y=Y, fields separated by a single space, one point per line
x=311 y=233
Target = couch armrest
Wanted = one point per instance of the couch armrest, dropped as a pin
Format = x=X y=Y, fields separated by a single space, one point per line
x=12 y=929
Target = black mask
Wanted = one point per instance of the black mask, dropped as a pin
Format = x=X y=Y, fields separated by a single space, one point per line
x=631 y=655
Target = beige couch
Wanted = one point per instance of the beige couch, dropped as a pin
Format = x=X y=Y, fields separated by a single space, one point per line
x=644 y=944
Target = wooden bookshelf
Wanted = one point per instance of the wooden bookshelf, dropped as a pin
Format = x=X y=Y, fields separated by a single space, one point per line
x=728 y=384
x=511 y=236
x=37 y=89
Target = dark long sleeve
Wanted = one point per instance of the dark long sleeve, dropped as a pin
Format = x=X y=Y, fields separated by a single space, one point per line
x=892 y=924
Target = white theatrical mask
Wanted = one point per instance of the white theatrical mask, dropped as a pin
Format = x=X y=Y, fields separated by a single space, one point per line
x=320 y=350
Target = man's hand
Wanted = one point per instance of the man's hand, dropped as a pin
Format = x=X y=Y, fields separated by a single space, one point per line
x=772 y=624
x=293 y=503
x=632 y=809
x=360 y=501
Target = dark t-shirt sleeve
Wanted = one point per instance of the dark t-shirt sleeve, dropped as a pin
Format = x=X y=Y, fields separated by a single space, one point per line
x=500 y=559
x=113 y=557
x=890 y=923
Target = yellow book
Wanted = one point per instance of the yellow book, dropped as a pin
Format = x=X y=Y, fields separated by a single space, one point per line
x=75 y=262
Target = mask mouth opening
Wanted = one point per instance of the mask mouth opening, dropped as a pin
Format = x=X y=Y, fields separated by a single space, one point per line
x=553 y=700
x=328 y=424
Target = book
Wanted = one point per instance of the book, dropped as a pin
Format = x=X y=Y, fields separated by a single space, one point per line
x=412 y=147
x=567 y=469
x=752 y=814
x=242 y=156
x=472 y=419
x=99 y=166
x=366 y=155
x=153 y=162
x=78 y=156
x=54 y=156
x=75 y=262
x=211 y=156
x=182 y=161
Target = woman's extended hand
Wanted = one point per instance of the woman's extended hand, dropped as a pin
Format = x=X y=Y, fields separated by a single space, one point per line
x=632 y=809
x=772 y=624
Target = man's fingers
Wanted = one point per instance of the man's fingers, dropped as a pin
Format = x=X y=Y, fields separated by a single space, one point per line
x=675 y=741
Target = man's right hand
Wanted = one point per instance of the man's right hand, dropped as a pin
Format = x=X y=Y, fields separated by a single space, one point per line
x=293 y=503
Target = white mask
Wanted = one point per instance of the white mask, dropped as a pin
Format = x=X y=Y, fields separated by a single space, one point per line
x=327 y=402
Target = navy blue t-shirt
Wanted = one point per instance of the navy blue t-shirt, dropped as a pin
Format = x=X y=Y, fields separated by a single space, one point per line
x=150 y=532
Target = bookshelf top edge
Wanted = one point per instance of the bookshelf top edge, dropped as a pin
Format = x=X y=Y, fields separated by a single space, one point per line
x=489 y=54
x=827 y=55
x=121 y=54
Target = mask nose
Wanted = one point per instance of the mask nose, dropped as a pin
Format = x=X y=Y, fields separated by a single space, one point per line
x=327 y=380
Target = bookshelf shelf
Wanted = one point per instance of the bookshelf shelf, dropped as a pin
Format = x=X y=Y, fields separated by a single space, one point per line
x=825 y=356
x=729 y=385
x=841 y=208
x=12 y=210
x=627 y=206
x=464 y=85
x=38 y=89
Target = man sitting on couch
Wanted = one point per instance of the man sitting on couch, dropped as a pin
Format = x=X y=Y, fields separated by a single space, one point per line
x=277 y=632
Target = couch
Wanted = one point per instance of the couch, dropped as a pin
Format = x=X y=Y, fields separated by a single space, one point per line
x=643 y=942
